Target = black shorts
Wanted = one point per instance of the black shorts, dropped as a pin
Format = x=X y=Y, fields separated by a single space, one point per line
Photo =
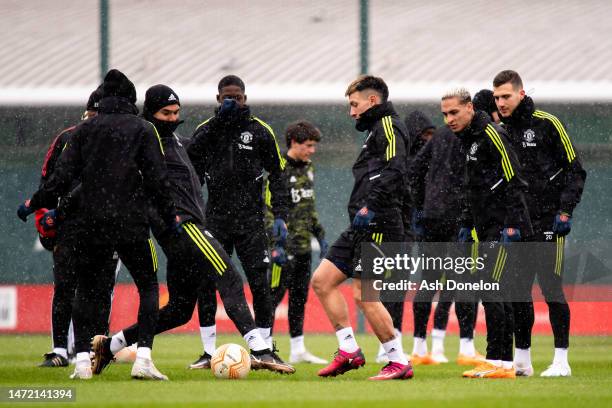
x=345 y=252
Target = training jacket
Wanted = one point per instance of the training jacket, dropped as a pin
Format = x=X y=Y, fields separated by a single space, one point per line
x=380 y=166
x=493 y=187
x=230 y=156
x=119 y=159
x=435 y=176
x=549 y=161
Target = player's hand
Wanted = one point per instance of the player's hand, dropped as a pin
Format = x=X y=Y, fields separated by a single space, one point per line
x=465 y=235
x=48 y=221
x=417 y=223
x=279 y=232
x=24 y=210
x=324 y=247
x=563 y=224
x=279 y=256
x=363 y=218
x=228 y=108
x=511 y=235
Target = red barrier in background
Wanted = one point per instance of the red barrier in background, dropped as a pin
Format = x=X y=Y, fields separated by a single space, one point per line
x=27 y=309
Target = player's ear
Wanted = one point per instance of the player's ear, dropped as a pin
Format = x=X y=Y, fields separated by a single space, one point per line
x=522 y=94
x=219 y=99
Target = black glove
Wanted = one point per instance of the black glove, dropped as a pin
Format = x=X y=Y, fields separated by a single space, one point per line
x=511 y=235
x=324 y=247
x=279 y=256
x=563 y=224
x=279 y=232
x=228 y=109
x=24 y=210
x=363 y=218
x=465 y=235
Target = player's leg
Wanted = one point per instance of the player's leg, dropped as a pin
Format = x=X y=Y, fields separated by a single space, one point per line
x=440 y=321
x=396 y=310
x=298 y=283
x=279 y=276
x=524 y=316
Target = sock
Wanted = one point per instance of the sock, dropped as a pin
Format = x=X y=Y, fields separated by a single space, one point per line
x=560 y=356
x=346 y=340
x=419 y=347
x=466 y=347
x=437 y=341
x=61 y=352
x=143 y=352
x=267 y=335
x=522 y=357
x=394 y=351
x=496 y=363
x=208 y=334
x=83 y=359
x=507 y=364
x=255 y=341
x=117 y=342
x=297 y=345
x=381 y=350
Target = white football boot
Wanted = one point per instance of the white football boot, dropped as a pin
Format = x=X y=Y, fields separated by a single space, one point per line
x=144 y=369
x=305 y=357
x=557 y=370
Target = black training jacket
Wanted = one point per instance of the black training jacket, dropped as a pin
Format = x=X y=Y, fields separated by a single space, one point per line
x=230 y=156
x=550 y=163
x=119 y=159
x=493 y=187
x=380 y=166
x=435 y=176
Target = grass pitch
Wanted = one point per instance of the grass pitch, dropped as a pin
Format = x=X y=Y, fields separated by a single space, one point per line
x=590 y=387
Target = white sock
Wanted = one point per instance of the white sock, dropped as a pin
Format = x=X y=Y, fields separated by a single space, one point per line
x=266 y=334
x=208 y=334
x=255 y=341
x=83 y=357
x=381 y=350
x=496 y=363
x=466 y=347
x=297 y=345
x=560 y=356
x=507 y=364
x=143 y=352
x=522 y=357
x=419 y=346
x=118 y=342
x=61 y=352
x=346 y=340
x=394 y=351
x=437 y=341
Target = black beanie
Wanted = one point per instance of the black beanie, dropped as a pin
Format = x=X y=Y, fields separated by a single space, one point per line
x=94 y=100
x=117 y=84
x=157 y=97
x=484 y=101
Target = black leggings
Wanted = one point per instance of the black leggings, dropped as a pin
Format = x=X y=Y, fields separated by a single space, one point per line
x=252 y=249
x=195 y=258
x=141 y=261
x=295 y=277
x=64 y=292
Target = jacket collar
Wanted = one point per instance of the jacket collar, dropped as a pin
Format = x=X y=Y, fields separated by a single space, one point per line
x=296 y=163
x=475 y=128
x=523 y=112
x=368 y=119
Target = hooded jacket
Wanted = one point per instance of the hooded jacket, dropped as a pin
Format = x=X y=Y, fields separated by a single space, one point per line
x=493 y=188
x=119 y=159
x=416 y=123
x=230 y=156
x=380 y=166
x=550 y=162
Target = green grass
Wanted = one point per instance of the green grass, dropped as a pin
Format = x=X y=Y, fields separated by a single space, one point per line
x=590 y=387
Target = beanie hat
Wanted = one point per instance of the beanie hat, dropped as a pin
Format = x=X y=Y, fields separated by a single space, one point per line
x=484 y=101
x=93 y=103
x=157 y=97
x=117 y=84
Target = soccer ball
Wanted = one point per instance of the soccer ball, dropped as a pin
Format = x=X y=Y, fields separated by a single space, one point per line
x=230 y=361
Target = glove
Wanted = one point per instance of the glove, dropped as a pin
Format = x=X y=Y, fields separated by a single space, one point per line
x=24 y=210
x=228 y=108
x=48 y=221
x=279 y=232
x=511 y=235
x=563 y=224
x=324 y=247
x=465 y=235
x=279 y=256
x=417 y=223
x=363 y=218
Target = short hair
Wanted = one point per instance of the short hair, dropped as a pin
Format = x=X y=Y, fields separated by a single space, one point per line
x=364 y=82
x=230 y=80
x=485 y=101
x=508 y=76
x=301 y=131
x=462 y=94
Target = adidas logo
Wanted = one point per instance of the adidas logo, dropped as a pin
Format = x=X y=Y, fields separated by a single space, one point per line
x=349 y=336
x=292 y=179
x=171 y=97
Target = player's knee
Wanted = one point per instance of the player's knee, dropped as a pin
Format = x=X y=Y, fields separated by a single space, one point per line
x=319 y=284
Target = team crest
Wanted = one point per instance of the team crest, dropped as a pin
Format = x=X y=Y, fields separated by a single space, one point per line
x=246 y=137
x=529 y=136
x=473 y=148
